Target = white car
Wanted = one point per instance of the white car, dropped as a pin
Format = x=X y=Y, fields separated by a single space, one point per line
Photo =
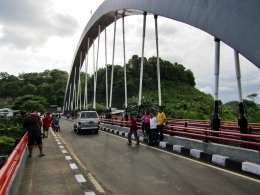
x=87 y=121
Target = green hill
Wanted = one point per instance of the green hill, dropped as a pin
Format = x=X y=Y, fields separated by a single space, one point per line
x=180 y=97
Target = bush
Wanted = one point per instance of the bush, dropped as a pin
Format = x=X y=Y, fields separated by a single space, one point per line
x=6 y=144
x=11 y=127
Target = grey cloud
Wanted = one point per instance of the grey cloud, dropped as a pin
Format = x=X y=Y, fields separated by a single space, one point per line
x=31 y=23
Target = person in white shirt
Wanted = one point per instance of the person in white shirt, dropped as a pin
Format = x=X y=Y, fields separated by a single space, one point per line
x=153 y=127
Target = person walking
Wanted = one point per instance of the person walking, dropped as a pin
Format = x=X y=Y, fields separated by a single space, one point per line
x=46 y=124
x=146 y=119
x=153 y=127
x=31 y=124
x=143 y=125
x=72 y=115
x=161 y=118
x=133 y=130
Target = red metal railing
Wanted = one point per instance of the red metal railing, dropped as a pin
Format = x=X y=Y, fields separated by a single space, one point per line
x=229 y=132
x=10 y=165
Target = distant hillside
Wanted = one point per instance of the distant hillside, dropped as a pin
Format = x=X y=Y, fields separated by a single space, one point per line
x=180 y=97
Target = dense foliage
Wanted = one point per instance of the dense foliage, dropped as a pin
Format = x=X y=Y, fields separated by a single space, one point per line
x=10 y=129
x=180 y=98
x=49 y=84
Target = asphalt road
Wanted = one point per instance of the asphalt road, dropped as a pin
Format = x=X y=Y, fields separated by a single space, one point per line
x=121 y=169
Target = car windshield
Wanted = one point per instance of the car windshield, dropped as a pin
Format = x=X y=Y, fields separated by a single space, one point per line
x=88 y=115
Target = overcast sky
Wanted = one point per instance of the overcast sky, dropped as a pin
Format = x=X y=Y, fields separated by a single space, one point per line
x=43 y=34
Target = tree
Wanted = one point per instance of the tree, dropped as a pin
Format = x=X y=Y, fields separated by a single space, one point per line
x=30 y=103
x=252 y=96
x=9 y=88
x=4 y=76
x=28 y=89
x=100 y=108
x=148 y=103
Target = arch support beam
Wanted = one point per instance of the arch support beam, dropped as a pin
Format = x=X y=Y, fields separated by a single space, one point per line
x=230 y=21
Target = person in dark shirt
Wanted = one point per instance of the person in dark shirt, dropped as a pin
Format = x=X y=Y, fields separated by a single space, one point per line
x=31 y=124
x=132 y=130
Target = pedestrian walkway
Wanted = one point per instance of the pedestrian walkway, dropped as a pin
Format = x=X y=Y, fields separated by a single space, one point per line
x=50 y=174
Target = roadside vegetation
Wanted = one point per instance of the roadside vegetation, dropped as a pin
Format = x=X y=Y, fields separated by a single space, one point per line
x=10 y=129
x=180 y=97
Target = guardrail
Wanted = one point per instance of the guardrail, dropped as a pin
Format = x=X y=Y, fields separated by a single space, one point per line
x=10 y=165
x=228 y=133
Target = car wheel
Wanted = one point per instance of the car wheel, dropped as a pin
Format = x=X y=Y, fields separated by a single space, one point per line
x=96 y=131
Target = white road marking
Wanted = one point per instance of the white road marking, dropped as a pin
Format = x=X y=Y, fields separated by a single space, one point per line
x=89 y=193
x=68 y=158
x=80 y=178
x=91 y=178
x=73 y=166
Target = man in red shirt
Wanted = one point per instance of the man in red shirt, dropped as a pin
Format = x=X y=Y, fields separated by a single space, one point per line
x=46 y=124
x=133 y=130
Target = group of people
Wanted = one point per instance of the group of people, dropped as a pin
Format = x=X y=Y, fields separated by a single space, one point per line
x=151 y=127
x=72 y=115
x=32 y=123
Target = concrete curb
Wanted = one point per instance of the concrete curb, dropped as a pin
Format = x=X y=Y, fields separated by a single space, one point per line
x=224 y=161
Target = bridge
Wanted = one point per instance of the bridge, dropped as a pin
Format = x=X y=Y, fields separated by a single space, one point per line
x=229 y=22
x=213 y=17
x=103 y=163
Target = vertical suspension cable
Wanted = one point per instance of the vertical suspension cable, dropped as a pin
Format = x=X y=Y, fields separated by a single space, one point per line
x=142 y=66
x=112 y=71
x=217 y=54
x=97 y=52
x=242 y=119
x=95 y=91
x=106 y=68
x=158 y=62
x=94 y=74
x=215 y=120
x=86 y=78
x=75 y=97
x=69 y=108
x=74 y=86
x=238 y=75
x=79 y=87
x=84 y=101
x=123 y=28
x=65 y=108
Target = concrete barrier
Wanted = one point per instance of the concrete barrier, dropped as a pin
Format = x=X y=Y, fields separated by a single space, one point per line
x=14 y=183
x=241 y=154
x=218 y=159
x=251 y=168
x=195 y=153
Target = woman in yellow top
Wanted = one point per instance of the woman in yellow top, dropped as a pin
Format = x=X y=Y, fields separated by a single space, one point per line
x=161 y=118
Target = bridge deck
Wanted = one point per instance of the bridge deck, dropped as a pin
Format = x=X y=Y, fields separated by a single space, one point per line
x=50 y=174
